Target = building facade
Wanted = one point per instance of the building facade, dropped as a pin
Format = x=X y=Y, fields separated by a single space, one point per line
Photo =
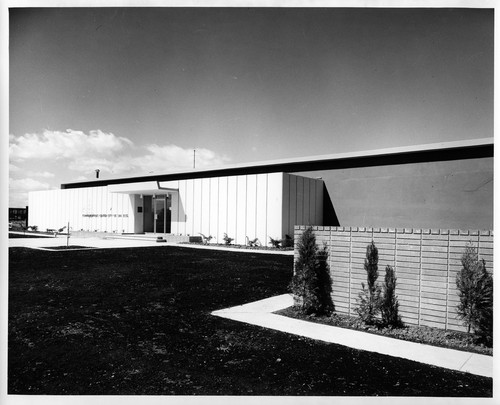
x=446 y=185
x=249 y=206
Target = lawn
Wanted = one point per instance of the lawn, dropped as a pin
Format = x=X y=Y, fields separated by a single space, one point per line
x=137 y=321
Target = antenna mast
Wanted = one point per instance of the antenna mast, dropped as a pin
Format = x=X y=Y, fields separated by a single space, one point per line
x=194 y=158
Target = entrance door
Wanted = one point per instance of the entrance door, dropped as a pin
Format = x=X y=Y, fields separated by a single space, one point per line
x=159 y=214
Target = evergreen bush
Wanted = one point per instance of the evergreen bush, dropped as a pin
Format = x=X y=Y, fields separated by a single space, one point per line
x=475 y=291
x=370 y=295
x=389 y=305
x=311 y=283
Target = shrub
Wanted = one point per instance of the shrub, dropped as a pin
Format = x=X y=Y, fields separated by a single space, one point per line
x=369 y=298
x=389 y=305
x=475 y=291
x=227 y=239
x=287 y=242
x=275 y=242
x=311 y=283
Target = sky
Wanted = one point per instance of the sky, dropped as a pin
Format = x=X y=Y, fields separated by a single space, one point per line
x=133 y=91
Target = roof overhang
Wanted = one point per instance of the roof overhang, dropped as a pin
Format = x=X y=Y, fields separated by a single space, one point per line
x=144 y=188
x=444 y=151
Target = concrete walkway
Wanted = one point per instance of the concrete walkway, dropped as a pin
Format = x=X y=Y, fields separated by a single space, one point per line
x=260 y=313
x=109 y=242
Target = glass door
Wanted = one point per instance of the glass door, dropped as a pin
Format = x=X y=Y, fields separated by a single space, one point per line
x=159 y=214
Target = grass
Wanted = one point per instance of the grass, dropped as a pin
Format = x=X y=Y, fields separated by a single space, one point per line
x=137 y=321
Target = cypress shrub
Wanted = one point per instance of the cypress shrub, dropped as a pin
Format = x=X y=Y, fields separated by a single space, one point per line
x=311 y=283
x=475 y=291
x=369 y=297
x=389 y=306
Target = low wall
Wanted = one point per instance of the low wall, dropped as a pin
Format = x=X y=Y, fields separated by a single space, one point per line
x=426 y=262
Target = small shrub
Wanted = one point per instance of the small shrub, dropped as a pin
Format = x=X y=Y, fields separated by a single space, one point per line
x=389 y=305
x=287 y=242
x=206 y=239
x=252 y=242
x=370 y=295
x=275 y=242
x=475 y=291
x=227 y=239
x=311 y=283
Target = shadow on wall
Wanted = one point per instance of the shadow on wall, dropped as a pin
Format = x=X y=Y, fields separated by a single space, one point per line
x=329 y=215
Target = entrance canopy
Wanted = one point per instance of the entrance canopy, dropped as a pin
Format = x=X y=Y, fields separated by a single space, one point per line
x=145 y=188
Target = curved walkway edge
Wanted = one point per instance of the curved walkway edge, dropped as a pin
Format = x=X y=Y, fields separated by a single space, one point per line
x=260 y=313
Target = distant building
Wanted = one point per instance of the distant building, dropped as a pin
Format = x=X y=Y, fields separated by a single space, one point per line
x=18 y=214
x=446 y=185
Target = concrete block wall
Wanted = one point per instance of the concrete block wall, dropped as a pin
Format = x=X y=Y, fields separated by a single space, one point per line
x=426 y=262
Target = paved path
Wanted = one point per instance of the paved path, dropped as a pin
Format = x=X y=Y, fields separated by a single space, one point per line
x=109 y=242
x=260 y=313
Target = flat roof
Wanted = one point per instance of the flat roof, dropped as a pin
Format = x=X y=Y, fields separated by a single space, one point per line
x=443 y=151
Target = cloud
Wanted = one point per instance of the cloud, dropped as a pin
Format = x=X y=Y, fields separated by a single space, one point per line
x=46 y=175
x=19 y=188
x=27 y=184
x=70 y=145
x=56 y=154
x=157 y=159
x=168 y=158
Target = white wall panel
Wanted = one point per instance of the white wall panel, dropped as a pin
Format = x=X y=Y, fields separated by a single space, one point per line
x=231 y=206
x=197 y=197
x=261 y=209
x=223 y=210
x=251 y=206
x=190 y=206
x=241 y=210
x=182 y=207
x=205 y=206
x=263 y=206
x=214 y=207
x=101 y=209
x=274 y=206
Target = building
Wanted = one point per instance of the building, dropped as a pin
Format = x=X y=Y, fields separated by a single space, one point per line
x=446 y=185
x=18 y=214
x=241 y=206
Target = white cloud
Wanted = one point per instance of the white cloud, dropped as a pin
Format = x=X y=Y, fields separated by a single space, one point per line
x=27 y=184
x=46 y=175
x=168 y=158
x=157 y=159
x=19 y=188
x=69 y=156
x=70 y=145
x=79 y=178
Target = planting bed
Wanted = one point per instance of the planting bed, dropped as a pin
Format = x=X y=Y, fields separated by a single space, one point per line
x=70 y=247
x=419 y=334
x=223 y=245
x=137 y=321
